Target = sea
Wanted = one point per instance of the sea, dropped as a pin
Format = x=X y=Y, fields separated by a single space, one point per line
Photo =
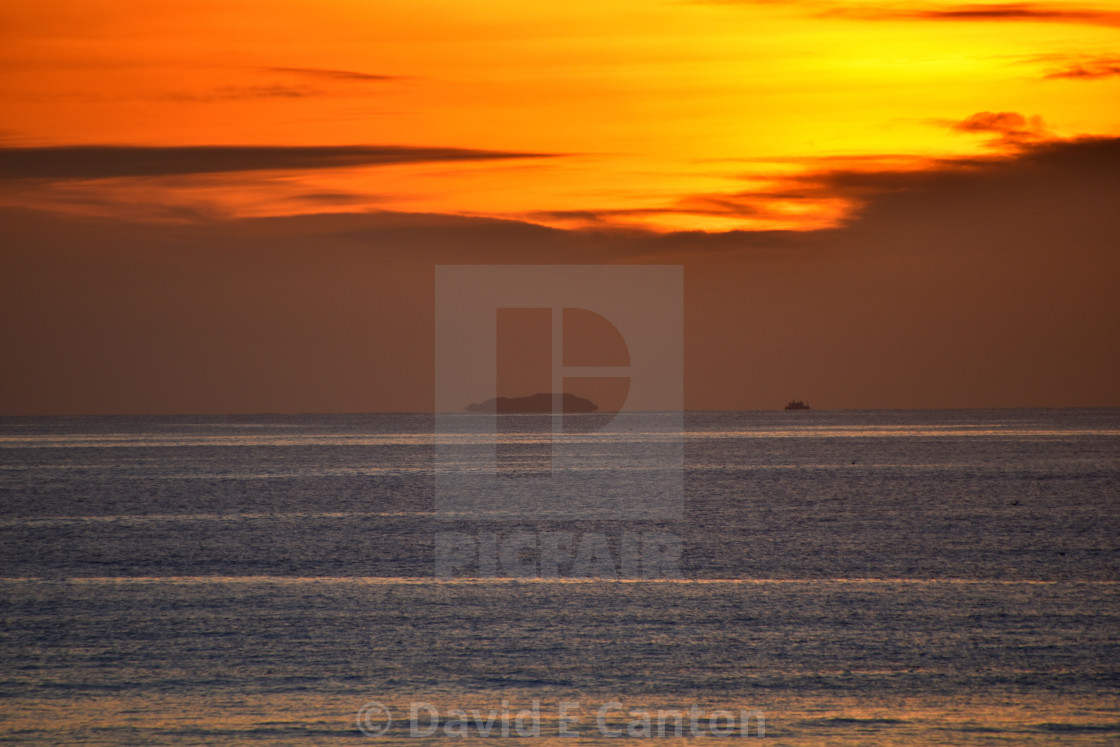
x=831 y=578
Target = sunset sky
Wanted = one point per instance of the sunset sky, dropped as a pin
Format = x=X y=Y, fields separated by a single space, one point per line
x=238 y=206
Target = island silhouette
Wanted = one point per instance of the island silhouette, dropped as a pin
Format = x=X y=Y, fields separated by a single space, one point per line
x=540 y=402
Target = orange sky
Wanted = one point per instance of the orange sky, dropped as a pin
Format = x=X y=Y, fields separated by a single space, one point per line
x=738 y=132
x=645 y=106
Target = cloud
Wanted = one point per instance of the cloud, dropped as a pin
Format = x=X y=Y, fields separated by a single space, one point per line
x=326 y=81
x=1037 y=12
x=1093 y=69
x=333 y=198
x=106 y=161
x=826 y=192
x=334 y=75
x=243 y=93
x=1010 y=128
x=710 y=210
x=965 y=12
x=836 y=192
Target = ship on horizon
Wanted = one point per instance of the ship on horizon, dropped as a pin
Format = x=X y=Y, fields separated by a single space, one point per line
x=797 y=405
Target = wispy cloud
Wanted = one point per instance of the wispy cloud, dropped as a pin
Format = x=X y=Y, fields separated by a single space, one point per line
x=961 y=12
x=334 y=198
x=1009 y=128
x=1036 y=12
x=1091 y=69
x=106 y=161
x=243 y=93
x=298 y=83
x=333 y=75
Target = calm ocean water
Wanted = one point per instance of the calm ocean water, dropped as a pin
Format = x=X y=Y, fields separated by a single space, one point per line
x=881 y=578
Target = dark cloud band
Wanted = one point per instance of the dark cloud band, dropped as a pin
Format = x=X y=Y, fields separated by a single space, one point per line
x=105 y=161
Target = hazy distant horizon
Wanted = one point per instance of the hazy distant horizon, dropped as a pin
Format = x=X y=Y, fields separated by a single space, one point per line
x=279 y=413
